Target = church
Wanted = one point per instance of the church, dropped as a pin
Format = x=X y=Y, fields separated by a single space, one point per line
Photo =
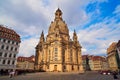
x=57 y=52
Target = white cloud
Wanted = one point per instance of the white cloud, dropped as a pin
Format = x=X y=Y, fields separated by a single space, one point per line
x=117 y=10
x=30 y=17
x=27 y=47
x=84 y=50
x=39 y=13
x=98 y=36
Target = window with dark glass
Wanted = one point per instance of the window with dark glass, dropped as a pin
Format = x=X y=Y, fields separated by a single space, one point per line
x=15 y=49
x=2 y=47
x=78 y=67
x=4 y=40
x=5 y=55
x=64 y=67
x=0 y=53
x=12 y=42
x=8 y=41
x=13 y=62
x=8 y=61
x=72 y=67
x=47 y=67
x=71 y=56
x=10 y=55
x=63 y=55
x=11 y=48
x=77 y=56
x=16 y=43
x=7 y=47
x=3 y=62
x=14 y=55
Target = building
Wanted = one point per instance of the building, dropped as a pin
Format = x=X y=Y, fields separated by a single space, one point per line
x=105 y=65
x=112 y=56
x=9 y=48
x=97 y=63
x=58 y=52
x=94 y=63
x=86 y=62
x=118 y=49
x=25 y=63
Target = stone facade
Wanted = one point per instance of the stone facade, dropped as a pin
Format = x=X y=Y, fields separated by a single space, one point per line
x=118 y=49
x=95 y=62
x=86 y=63
x=112 y=57
x=25 y=63
x=58 y=52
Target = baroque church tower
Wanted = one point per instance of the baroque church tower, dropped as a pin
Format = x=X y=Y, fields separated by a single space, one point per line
x=58 y=52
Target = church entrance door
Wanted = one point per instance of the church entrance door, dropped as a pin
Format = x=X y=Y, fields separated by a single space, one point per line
x=55 y=67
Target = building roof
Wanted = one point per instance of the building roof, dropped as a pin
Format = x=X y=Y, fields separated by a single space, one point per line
x=111 y=48
x=29 y=59
x=93 y=58
x=8 y=34
x=84 y=57
x=96 y=58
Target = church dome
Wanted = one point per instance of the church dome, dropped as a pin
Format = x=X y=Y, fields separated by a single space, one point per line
x=58 y=23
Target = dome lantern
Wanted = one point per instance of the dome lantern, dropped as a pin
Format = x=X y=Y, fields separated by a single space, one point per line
x=58 y=14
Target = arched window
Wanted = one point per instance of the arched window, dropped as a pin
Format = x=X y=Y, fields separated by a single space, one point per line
x=78 y=67
x=63 y=55
x=56 y=50
x=56 y=54
x=77 y=56
x=72 y=67
x=49 y=55
x=71 y=59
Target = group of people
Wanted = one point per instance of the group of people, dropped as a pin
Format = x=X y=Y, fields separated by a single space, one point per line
x=114 y=73
x=11 y=74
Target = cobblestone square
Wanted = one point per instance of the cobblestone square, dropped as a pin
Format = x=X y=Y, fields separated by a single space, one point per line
x=60 y=76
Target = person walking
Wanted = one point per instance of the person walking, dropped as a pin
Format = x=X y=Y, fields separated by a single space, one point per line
x=115 y=75
x=10 y=74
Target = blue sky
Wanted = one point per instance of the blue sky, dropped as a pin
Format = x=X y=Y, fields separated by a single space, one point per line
x=97 y=22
